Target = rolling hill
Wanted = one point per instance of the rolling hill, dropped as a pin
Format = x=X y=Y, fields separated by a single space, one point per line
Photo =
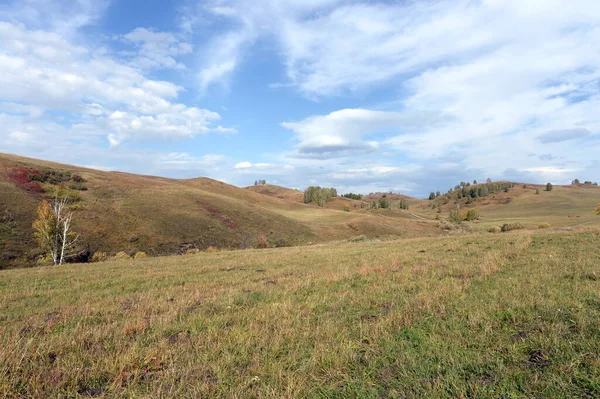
x=125 y=212
x=117 y=211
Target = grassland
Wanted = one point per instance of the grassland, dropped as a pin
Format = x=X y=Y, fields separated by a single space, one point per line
x=510 y=315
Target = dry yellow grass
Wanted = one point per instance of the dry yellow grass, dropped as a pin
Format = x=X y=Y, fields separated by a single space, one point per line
x=511 y=315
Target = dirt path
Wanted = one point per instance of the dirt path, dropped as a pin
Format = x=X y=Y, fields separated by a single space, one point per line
x=417 y=216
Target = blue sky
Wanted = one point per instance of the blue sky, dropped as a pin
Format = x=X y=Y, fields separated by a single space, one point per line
x=364 y=96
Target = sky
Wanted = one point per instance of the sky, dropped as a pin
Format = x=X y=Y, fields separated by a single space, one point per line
x=405 y=96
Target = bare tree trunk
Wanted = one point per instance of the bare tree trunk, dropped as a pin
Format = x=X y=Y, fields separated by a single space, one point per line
x=63 y=229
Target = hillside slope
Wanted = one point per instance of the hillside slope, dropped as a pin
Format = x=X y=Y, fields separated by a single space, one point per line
x=125 y=212
x=529 y=204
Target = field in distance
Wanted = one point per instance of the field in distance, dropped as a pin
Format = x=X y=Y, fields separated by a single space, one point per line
x=483 y=315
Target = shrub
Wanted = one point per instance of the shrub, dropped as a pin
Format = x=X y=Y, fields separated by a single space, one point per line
x=211 y=249
x=263 y=242
x=192 y=251
x=472 y=214
x=98 y=257
x=549 y=187
x=282 y=242
x=544 y=225
x=122 y=255
x=495 y=229
x=512 y=226
x=346 y=209
x=537 y=190
x=359 y=238
x=455 y=217
x=77 y=186
x=140 y=255
x=444 y=225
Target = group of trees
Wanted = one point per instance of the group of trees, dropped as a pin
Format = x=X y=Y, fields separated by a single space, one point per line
x=470 y=192
x=353 y=196
x=260 y=182
x=585 y=183
x=319 y=195
x=385 y=203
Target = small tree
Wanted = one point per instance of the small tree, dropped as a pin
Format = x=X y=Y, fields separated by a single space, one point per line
x=53 y=230
x=549 y=187
x=431 y=195
x=454 y=216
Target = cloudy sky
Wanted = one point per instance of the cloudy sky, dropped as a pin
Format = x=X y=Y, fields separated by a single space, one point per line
x=409 y=96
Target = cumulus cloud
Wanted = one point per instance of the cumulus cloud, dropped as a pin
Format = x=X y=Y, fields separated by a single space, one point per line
x=43 y=72
x=342 y=133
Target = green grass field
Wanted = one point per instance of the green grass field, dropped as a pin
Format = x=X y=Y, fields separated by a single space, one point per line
x=512 y=315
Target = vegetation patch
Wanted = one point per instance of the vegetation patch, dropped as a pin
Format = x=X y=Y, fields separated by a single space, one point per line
x=33 y=180
x=512 y=226
x=217 y=214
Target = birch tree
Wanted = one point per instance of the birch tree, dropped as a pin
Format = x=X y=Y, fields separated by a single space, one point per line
x=53 y=230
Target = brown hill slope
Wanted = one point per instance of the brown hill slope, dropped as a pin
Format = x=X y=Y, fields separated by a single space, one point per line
x=529 y=204
x=126 y=212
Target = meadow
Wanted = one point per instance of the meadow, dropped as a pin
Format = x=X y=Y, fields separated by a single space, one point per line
x=511 y=315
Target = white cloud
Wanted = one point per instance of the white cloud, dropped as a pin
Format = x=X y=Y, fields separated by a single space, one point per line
x=243 y=165
x=156 y=49
x=225 y=56
x=62 y=17
x=342 y=133
x=263 y=168
x=45 y=72
x=221 y=129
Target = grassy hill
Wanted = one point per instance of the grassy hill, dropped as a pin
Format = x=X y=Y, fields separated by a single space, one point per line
x=470 y=316
x=125 y=212
x=529 y=204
